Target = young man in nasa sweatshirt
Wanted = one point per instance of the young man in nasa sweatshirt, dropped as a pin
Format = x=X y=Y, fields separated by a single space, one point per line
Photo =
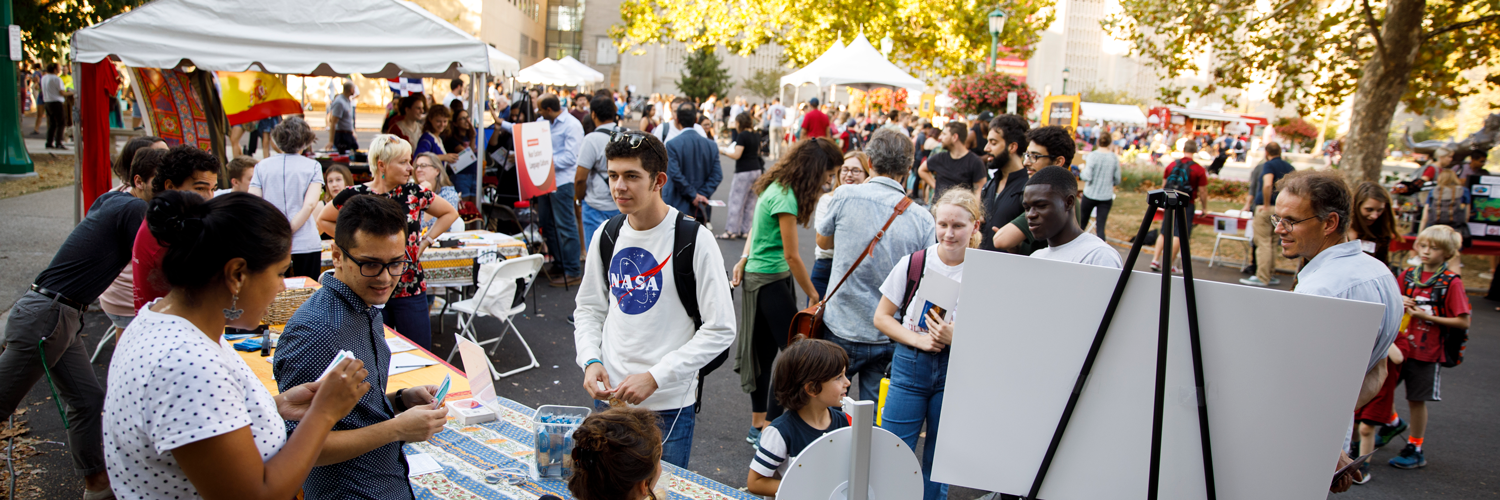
x=636 y=342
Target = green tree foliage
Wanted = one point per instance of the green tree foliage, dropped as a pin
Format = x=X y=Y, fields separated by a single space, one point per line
x=1316 y=54
x=47 y=24
x=1111 y=96
x=703 y=74
x=949 y=38
x=764 y=84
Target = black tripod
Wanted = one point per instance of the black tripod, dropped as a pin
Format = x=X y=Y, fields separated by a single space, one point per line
x=1178 y=212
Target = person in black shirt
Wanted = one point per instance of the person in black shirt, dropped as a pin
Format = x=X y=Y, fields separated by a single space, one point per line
x=956 y=166
x=47 y=320
x=748 y=165
x=1001 y=196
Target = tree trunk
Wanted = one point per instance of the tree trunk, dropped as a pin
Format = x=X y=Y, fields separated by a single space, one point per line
x=1382 y=83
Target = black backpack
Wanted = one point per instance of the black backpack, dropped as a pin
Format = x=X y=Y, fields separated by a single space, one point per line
x=1180 y=178
x=1455 y=340
x=683 y=243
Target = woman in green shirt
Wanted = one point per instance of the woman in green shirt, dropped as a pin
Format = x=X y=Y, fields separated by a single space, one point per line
x=788 y=194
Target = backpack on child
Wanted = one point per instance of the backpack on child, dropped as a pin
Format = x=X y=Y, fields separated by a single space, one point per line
x=1455 y=340
x=1447 y=208
x=1180 y=178
x=686 y=280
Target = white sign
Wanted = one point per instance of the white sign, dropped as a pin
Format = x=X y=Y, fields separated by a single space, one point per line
x=1227 y=225
x=15 y=43
x=1015 y=361
x=1010 y=103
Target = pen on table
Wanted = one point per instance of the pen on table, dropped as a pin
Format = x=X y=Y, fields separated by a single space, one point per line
x=411 y=366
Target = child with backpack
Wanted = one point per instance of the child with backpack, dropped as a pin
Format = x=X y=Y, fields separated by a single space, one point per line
x=1433 y=336
x=810 y=383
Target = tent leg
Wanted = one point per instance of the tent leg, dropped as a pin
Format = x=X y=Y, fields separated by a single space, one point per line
x=77 y=136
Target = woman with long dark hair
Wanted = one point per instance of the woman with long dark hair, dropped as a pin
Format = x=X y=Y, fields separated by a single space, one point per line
x=459 y=136
x=617 y=456
x=184 y=416
x=771 y=265
x=406 y=122
x=1372 y=221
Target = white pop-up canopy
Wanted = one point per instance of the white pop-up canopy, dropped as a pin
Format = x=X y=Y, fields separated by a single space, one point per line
x=860 y=66
x=550 y=72
x=376 y=38
x=501 y=64
x=809 y=74
x=1117 y=113
x=581 y=69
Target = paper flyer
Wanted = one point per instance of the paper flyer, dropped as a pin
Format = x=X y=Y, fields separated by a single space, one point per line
x=936 y=292
x=477 y=367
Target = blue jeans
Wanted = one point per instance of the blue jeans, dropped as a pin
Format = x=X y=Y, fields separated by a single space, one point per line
x=408 y=316
x=463 y=181
x=821 y=271
x=561 y=228
x=676 y=430
x=869 y=361
x=915 y=395
x=592 y=219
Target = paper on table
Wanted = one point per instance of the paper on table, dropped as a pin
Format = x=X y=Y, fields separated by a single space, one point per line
x=421 y=463
x=477 y=367
x=397 y=344
x=937 y=292
x=292 y=283
x=405 y=362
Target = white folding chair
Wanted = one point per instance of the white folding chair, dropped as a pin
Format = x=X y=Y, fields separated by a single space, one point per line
x=498 y=289
x=1246 y=239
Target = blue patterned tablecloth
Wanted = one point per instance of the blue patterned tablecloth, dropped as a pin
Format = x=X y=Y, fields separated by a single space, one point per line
x=466 y=452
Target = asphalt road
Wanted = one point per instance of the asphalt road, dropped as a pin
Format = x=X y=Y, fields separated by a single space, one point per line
x=1462 y=464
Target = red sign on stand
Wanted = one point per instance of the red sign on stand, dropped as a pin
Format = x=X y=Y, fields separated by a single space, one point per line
x=533 y=146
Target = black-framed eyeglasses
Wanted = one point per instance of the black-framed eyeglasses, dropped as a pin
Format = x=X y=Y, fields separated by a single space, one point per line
x=1277 y=222
x=371 y=269
x=1034 y=156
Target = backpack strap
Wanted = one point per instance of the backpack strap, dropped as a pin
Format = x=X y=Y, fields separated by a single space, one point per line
x=684 y=241
x=900 y=208
x=916 y=268
x=607 y=245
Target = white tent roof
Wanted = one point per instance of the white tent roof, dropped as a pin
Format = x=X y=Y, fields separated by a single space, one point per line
x=861 y=66
x=581 y=69
x=1118 y=113
x=376 y=38
x=1203 y=114
x=550 y=72
x=809 y=74
x=501 y=64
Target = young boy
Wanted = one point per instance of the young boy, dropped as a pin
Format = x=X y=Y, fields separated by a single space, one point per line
x=1434 y=298
x=241 y=169
x=1380 y=413
x=810 y=382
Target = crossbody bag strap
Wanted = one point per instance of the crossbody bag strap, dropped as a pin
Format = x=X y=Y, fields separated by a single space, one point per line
x=900 y=208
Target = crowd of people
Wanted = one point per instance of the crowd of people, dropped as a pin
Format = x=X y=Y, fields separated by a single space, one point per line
x=177 y=258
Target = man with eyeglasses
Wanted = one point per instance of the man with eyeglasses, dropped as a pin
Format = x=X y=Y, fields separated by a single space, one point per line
x=362 y=457
x=1047 y=147
x=637 y=341
x=1312 y=216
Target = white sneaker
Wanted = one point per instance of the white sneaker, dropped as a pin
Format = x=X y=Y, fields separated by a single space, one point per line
x=1253 y=281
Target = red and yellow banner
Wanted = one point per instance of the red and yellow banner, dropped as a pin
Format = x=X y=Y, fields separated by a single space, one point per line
x=253 y=96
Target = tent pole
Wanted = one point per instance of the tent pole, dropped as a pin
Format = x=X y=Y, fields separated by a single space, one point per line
x=476 y=107
x=77 y=131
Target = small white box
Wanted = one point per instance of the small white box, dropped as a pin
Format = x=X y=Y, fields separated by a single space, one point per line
x=469 y=411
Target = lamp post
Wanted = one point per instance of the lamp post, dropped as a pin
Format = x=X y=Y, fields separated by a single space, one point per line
x=1065 y=81
x=13 y=158
x=997 y=25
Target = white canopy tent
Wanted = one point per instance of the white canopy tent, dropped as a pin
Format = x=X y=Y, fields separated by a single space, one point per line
x=375 y=38
x=809 y=74
x=860 y=66
x=581 y=69
x=1116 y=113
x=550 y=72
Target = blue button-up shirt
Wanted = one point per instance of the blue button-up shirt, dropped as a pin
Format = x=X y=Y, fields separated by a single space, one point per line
x=335 y=318
x=1346 y=272
x=855 y=214
x=567 y=140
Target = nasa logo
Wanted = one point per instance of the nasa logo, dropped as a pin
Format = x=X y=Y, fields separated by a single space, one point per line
x=635 y=279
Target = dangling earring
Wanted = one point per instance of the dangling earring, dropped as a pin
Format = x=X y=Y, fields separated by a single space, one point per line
x=232 y=313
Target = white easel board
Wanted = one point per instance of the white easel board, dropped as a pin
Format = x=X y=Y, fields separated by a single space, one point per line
x=1283 y=371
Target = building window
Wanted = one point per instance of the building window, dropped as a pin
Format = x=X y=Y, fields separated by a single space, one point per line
x=604 y=51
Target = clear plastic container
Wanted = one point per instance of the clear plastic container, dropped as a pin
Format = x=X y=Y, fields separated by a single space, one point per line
x=554 y=426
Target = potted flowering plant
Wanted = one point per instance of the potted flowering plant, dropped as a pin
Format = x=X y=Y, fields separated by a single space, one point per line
x=988 y=92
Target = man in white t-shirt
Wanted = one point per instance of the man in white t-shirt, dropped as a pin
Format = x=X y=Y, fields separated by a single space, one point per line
x=456 y=93
x=776 y=114
x=1050 y=196
x=632 y=327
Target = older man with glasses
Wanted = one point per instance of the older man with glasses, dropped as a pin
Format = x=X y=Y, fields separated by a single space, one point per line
x=362 y=457
x=1312 y=216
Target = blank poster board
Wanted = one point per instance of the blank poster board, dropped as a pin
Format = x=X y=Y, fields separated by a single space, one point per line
x=1282 y=370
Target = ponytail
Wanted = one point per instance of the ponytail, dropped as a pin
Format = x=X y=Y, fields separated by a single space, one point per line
x=614 y=452
x=200 y=237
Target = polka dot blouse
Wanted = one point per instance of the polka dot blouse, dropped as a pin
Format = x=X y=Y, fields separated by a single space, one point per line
x=170 y=385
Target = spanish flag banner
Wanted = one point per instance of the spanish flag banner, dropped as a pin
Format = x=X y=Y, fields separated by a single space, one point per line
x=252 y=96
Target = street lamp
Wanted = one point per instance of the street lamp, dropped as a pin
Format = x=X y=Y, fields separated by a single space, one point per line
x=1065 y=81
x=885 y=46
x=997 y=25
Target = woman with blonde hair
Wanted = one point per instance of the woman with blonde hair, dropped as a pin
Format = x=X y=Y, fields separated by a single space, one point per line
x=391 y=176
x=430 y=174
x=855 y=170
x=919 y=366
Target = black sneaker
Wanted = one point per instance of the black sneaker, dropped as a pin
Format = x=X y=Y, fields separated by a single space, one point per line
x=1389 y=432
x=1364 y=473
x=1410 y=458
